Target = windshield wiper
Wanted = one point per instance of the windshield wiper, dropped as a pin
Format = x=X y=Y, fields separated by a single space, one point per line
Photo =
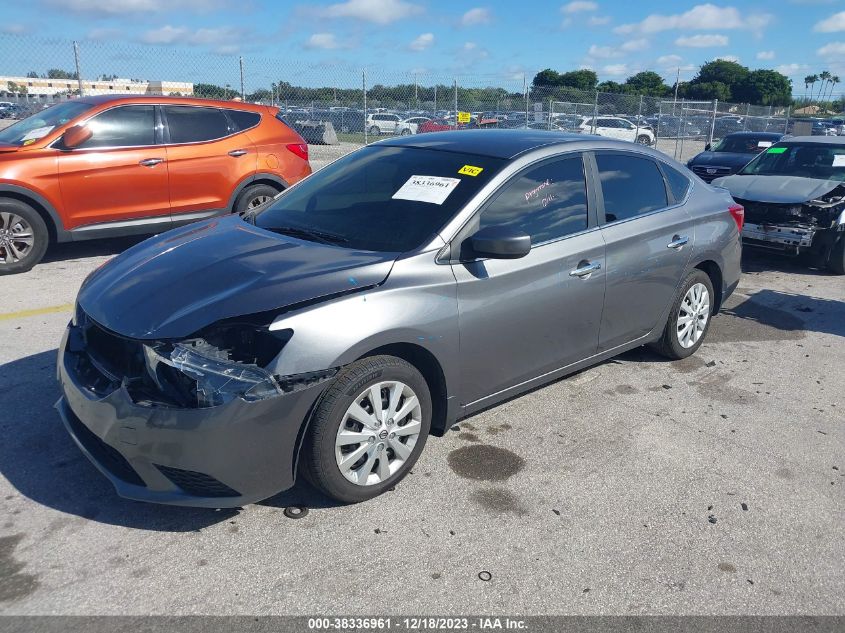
x=314 y=234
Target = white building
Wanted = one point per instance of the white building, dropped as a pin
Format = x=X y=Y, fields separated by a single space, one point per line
x=44 y=87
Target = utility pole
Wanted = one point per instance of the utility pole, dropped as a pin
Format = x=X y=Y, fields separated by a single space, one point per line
x=456 y=103
x=416 y=97
x=76 y=60
x=364 y=87
x=677 y=81
x=241 y=62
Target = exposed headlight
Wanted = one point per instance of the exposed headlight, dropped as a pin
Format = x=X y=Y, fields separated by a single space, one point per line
x=182 y=369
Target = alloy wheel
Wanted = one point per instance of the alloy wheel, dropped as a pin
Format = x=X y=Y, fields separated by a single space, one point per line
x=378 y=433
x=693 y=315
x=17 y=238
x=257 y=201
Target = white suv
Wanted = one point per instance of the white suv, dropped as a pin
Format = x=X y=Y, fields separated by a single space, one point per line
x=410 y=126
x=382 y=123
x=617 y=127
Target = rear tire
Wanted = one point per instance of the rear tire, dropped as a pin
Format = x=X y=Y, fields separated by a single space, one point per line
x=372 y=440
x=254 y=196
x=836 y=259
x=643 y=140
x=24 y=237
x=689 y=318
x=375 y=131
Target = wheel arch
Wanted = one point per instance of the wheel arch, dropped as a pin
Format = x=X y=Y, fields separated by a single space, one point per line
x=260 y=178
x=712 y=269
x=42 y=206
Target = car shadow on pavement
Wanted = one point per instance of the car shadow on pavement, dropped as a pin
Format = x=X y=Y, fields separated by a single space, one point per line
x=761 y=261
x=69 y=251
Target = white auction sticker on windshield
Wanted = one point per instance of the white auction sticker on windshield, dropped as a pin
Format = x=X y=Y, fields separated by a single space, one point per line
x=37 y=133
x=839 y=160
x=764 y=144
x=433 y=189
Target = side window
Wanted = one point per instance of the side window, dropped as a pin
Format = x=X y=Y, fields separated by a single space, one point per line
x=678 y=183
x=546 y=202
x=631 y=186
x=607 y=123
x=189 y=124
x=125 y=126
x=244 y=120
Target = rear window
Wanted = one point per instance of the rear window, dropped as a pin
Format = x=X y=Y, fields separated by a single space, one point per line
x=380 y=198
x=189 y=124
x=244 y=120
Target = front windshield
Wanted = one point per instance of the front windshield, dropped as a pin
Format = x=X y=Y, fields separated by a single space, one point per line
x=743 y=145
x=380 y=198
x=41 y=123
x=808 y=160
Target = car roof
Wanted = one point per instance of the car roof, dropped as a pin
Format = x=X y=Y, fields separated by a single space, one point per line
x=494 y=143
x=130 y=98
x=821 y=140
x=767 y=135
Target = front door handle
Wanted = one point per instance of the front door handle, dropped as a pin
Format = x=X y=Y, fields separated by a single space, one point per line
x=678 y=242
x=237 y=152
x=151 y=162
x=585 y=269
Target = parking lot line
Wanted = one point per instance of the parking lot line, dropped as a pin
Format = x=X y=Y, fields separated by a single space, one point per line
x=7 y=316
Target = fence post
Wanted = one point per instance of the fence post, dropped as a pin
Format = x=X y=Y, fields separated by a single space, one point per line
x=713 y=122
x=435 y=99
x=525 y=94
x=241 y=64
x=78 y=74
x=639 y=114
x=745 y=119
x=680 y=136
x=550 y=113
x=364 y=88
x=786 y=125
x=595 y=112
x=456 y=102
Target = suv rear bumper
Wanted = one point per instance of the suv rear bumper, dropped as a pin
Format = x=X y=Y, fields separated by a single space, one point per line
x=225 y=456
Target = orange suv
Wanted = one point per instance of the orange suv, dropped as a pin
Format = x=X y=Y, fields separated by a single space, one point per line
x=127 y=165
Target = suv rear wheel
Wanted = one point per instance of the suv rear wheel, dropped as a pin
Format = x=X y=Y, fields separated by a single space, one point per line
x=254 y=196
x=23 y=236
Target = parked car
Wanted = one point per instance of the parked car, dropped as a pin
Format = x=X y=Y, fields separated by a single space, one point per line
x=618 y=128
x=126 y=165
x=730 y=154
x=724 y=125
x=382 y=123
x=794 y=198
x=410 y=125
x=209 y=386
x=676 y=127
x=435 y=125
x=822 y=128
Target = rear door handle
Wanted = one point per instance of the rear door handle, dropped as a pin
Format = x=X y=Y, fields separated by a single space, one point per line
x=151 y=162
x=585 y=269
x=678 y=242
x=237 y=152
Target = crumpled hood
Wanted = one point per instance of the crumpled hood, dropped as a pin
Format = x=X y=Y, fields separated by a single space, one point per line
x=722 y=159
x=776 y=189
x=176 y=283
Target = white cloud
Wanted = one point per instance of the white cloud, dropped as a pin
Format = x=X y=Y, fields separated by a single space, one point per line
x=607 y=52
x=566 y=23
x=115 y=7
x=832 y=49
x=631 y=46
x=766 y=55
x=324 y=41
x=479 y=15
x=103 y=34
x=472 y=50
x=579 y=6
x=791 y=69
x=726 y=58
x=701 y=17
x=667 y=61
x=599 y=20
x=602 y=52
x=834 y=23
x=615 y=70
x=376 y=11
x=422 y=42
x=13 y=29
x=701 y=41
x=223 y=40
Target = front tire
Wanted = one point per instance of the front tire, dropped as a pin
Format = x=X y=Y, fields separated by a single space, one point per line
x=689 y=319
x=644 y=140
x=836 y=259
x=375 y=131
x=23 y=237
x=368 y=429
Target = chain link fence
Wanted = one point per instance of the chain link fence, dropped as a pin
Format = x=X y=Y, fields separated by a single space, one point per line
x=339 y=107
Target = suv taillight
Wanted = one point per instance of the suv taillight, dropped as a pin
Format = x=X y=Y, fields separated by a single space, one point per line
x=738 y=214
x=301 y=150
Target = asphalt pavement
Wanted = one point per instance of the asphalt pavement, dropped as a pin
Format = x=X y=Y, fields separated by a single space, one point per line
x=712 y=485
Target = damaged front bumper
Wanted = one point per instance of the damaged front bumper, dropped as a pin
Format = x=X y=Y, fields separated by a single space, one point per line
x=224 y=456
x=794 y=238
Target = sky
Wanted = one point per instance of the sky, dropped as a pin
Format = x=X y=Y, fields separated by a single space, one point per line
x=312 y=43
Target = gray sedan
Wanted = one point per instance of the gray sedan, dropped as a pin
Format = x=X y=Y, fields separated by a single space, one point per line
x=405 y=286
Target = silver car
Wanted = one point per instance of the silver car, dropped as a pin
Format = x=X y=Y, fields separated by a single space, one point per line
x=411 y=283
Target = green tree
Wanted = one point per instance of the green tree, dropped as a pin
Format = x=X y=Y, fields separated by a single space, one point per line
x=58 y=73
x=729 y=73
x=825 y=77
x=610 y=86
x=765 y=87
x=547 y=77
x=32 y=74
x=707 y=91
x=647 y=83
x=209 y=91
x=580 y=79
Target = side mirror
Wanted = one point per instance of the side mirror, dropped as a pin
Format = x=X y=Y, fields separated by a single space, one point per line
x=707 y=147
x=75 y=136
x=500 y=242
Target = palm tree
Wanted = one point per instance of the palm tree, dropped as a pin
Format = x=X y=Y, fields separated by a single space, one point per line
x=825 y=77
x=808 y=80
x=833 y=81
x=811 y=79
